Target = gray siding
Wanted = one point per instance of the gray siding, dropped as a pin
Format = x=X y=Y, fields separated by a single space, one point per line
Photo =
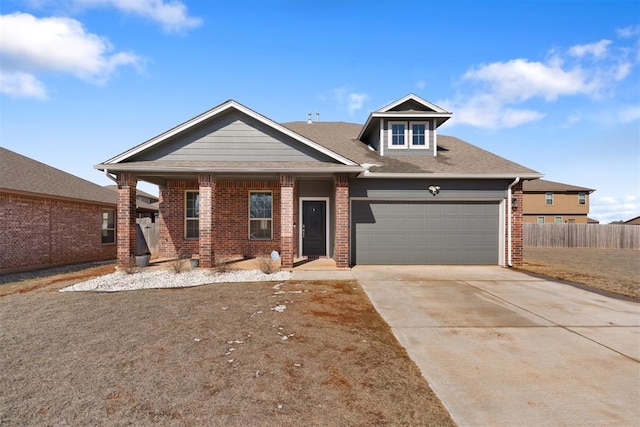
x=233 y=137
x=418 y=188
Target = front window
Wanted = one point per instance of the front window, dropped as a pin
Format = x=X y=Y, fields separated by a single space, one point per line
x=260 y=215
x=419 y=135
x=192 y=215
x=548 y=199
x=397 y=135
x=108 y=226
x=582 y=199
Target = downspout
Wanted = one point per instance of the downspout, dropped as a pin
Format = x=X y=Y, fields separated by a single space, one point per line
x=106 y=172
x=509 y=220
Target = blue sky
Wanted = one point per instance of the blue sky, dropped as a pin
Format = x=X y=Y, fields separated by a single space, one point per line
x=552 y=85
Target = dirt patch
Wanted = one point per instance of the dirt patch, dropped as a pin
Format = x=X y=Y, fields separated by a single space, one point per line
x=611 y=270
x=215 y=354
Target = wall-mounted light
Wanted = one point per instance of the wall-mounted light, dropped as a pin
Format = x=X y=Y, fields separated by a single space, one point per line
x=434 y=189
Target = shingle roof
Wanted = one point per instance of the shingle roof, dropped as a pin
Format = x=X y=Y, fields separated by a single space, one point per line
x=541 y=185
x=454 y=155
x=22 y=174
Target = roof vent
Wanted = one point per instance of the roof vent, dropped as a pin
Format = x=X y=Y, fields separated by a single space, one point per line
x=309 y=119
x=317 y=117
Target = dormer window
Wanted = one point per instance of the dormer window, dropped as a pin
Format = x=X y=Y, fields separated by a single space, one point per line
x=398 y=135
x=419 y=131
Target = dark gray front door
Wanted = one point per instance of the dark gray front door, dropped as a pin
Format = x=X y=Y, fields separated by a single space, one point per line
x=388 y=232
x=314 y=228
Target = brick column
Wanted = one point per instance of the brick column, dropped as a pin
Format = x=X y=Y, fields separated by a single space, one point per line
x=287 y=235
x=207 y=215
x=126 y=224
x=517 y=253
x=341 y=197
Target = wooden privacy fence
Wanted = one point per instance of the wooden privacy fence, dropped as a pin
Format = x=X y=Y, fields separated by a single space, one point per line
x=610 y=236
x=149 y=232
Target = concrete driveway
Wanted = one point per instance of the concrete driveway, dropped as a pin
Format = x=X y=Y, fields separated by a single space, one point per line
x=503 y=348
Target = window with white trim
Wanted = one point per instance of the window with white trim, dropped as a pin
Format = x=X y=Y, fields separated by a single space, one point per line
x=548 y=199
x=398 y=135
x=419 y=135
x=108 y=226
x=192 y=214
x=540 y=220
x=260 y=215
x=558 y=220
x=582 y=199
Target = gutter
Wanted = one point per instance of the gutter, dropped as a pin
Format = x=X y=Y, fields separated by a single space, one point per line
x=108 y=175
x=444 y=175
x=509 y=226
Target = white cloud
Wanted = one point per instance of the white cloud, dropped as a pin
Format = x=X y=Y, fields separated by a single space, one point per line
x=21 y=85
x=629 y=114
x=607 y=209
x=172 y=15
x=352 y=101
x=495 y=95
x=628 y=32
x=598 y=50
x=30 y=45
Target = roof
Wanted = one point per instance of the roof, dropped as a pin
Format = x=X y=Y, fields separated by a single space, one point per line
x=542 y=185
x=24 y=175
x=633 y=221
x=455 y=156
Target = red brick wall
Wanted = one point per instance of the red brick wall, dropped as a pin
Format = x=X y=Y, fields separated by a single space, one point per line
x=341 y=248
x=231 y=222
x=39 y=232
x=516 y=230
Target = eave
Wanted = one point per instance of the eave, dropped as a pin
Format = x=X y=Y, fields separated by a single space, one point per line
x=427 y=175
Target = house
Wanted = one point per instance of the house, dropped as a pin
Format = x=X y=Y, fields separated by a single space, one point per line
x=554 y=202
x=49 y=217
x=147 y=205
x=391 y=191
x=632 y=221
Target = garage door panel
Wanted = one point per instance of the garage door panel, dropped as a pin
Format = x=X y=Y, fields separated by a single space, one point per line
x=386 y=232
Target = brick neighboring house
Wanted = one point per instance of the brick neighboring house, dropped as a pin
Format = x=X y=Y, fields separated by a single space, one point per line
x=554 y=202
x=392 y=191
x=49 y=217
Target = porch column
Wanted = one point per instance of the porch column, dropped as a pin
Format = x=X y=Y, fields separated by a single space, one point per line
x=341 y=197
x=207 y=214
x=517 y=253
x=126 y=223
x=287 y=236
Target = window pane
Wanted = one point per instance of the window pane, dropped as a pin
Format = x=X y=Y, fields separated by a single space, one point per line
x=397 y=134
x=548 y=198
x=418 y=132
x=193 y=227
x=558 y=220
x=260 y=229
x=108 y=236
x=540 y=220
x=193 y=204
x=582 y=199
x=260 y=205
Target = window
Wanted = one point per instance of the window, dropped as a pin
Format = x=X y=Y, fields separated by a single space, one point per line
x=558 y=220
x=571 y=221
x=540 y=220
x=192 y=215
x=419 y=133
x=397 y=135
x=260 y=218
x=548 y=199
x=582 y=199
x=108 y=226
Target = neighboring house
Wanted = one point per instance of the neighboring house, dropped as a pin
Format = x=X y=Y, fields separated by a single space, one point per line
x=554 y=202
x=49 y=217
x=391 y=191
x=632 y=221
x=147 y=205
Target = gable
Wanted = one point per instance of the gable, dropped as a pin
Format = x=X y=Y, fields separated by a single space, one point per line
x=231 y=137
x=411 y=105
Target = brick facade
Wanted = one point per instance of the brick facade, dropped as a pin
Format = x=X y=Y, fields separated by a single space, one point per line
x=517 y=253
x=341 y=197
x=207 y=215
x=39 y=232
x=287 y=212
x=126 y=218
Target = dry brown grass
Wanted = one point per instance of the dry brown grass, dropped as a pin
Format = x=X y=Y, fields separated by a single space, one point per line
x=611 y=270
x=210 y=355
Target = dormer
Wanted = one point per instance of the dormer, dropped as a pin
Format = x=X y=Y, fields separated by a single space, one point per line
x=407 y=126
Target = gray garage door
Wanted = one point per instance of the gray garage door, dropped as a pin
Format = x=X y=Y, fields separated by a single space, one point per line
x=399 y=233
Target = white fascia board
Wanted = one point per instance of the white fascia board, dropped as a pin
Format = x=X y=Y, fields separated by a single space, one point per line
x=413 y=97
x=387 y=175
x=218 y=110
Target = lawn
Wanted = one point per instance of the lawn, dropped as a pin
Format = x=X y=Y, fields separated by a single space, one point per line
x=292 y=353
x=611 y=270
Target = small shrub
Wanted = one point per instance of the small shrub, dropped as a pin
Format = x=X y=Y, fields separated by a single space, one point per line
x=130 y=266
x=221 y=267
x=266 y=265
x=181 y=263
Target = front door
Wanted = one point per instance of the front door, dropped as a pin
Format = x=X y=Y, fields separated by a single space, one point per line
x=314 y=228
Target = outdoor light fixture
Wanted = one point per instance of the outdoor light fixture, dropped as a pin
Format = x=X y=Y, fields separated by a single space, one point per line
x=434 y=189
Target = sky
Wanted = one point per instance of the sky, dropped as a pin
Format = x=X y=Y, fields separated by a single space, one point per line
x=551 y=85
